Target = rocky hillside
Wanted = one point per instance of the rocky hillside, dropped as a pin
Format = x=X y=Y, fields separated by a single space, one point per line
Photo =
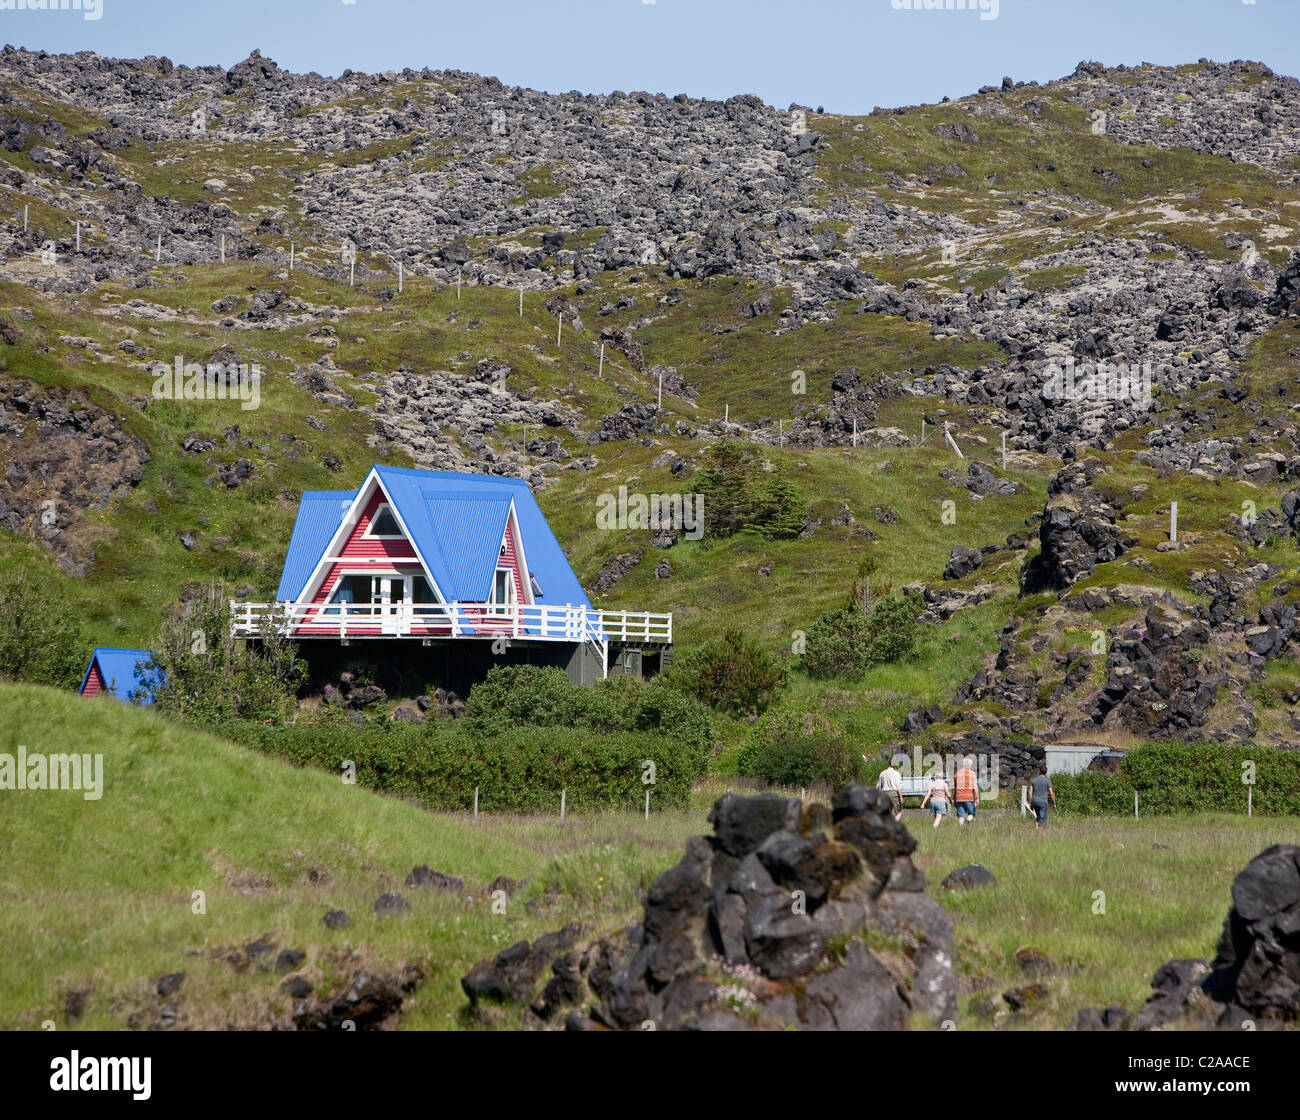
x=436 y=268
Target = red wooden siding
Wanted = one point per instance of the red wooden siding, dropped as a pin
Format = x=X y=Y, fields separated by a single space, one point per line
x=511 y=560
x=95 y=685
x=358 y=546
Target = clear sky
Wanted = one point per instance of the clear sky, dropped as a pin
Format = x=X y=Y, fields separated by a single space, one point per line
x=848 y=55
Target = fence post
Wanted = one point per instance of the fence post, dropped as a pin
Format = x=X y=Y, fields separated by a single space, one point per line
x=1135 y=804
x=563 y=792
x=647 y=803
x=1250 y=801
x=1024 y=800
x=476 y=804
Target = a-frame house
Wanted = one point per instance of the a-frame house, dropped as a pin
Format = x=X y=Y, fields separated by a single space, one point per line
x=443 y=559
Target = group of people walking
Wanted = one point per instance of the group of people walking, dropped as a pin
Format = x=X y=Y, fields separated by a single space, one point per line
x=965 y=793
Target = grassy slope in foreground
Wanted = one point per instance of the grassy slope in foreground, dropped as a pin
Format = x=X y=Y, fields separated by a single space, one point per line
x=97 y=894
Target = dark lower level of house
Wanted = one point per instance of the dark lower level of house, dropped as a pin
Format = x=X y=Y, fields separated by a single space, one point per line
x=415 y=666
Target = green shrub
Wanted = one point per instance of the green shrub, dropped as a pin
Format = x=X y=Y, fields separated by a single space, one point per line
x=796 y=747
x=846 y=642
x=520 y=770
x=513 y=696
x=40 y=640
x=207 y=676
x=732 y=673
x=517 y=695
x=1186 y=778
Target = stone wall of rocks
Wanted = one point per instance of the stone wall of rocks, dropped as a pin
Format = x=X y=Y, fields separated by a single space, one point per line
x=769 y=923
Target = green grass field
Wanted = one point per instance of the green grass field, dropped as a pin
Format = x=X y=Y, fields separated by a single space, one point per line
x=97 y=896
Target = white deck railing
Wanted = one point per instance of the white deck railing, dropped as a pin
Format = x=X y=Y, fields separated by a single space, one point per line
x=454 y=620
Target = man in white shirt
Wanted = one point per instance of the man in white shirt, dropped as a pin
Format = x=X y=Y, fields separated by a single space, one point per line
x=890 y=783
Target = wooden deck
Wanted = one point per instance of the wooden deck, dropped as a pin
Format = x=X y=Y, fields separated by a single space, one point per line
x=341 y=621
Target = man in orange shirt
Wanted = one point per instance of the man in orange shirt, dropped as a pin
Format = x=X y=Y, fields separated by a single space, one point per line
x=967 y=790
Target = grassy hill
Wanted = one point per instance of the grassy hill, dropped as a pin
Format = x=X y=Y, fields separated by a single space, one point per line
x=96 y=896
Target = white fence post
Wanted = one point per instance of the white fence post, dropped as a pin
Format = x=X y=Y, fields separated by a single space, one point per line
x=476 y=804
x=563 y=793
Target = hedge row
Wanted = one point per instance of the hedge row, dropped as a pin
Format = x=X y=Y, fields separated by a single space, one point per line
x=521 y=770
x=1187 y=778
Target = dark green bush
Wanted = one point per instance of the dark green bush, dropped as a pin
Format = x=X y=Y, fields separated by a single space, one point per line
x=741 y=494
x=732 y=673
x=846 y=642
x=520 y=770
x=513 y=696
x=1186 y=778
x=40 y=640
x=207 y=676
x=797 y=747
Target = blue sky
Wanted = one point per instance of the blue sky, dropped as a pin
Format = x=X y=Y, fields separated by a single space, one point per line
x=848 y=55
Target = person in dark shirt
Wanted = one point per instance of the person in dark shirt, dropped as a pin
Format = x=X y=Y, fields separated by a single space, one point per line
x=1040 y=794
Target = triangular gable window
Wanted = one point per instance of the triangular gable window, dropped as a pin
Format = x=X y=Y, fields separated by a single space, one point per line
x=384 y=524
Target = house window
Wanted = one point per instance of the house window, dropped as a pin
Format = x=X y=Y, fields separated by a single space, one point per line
x=503 y=591
x=384 y=524
x=357 y=591
x=423 y=596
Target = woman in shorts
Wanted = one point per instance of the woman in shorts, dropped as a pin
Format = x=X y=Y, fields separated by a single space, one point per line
x=937 y=796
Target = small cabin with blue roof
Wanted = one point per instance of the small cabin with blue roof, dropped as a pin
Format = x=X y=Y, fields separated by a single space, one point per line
x=465 y=564
x=123 y=673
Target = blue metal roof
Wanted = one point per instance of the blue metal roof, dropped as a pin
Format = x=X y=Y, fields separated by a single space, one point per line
x=118 y=668
x=319 y=515
x=456 y=522
x=460 y=538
